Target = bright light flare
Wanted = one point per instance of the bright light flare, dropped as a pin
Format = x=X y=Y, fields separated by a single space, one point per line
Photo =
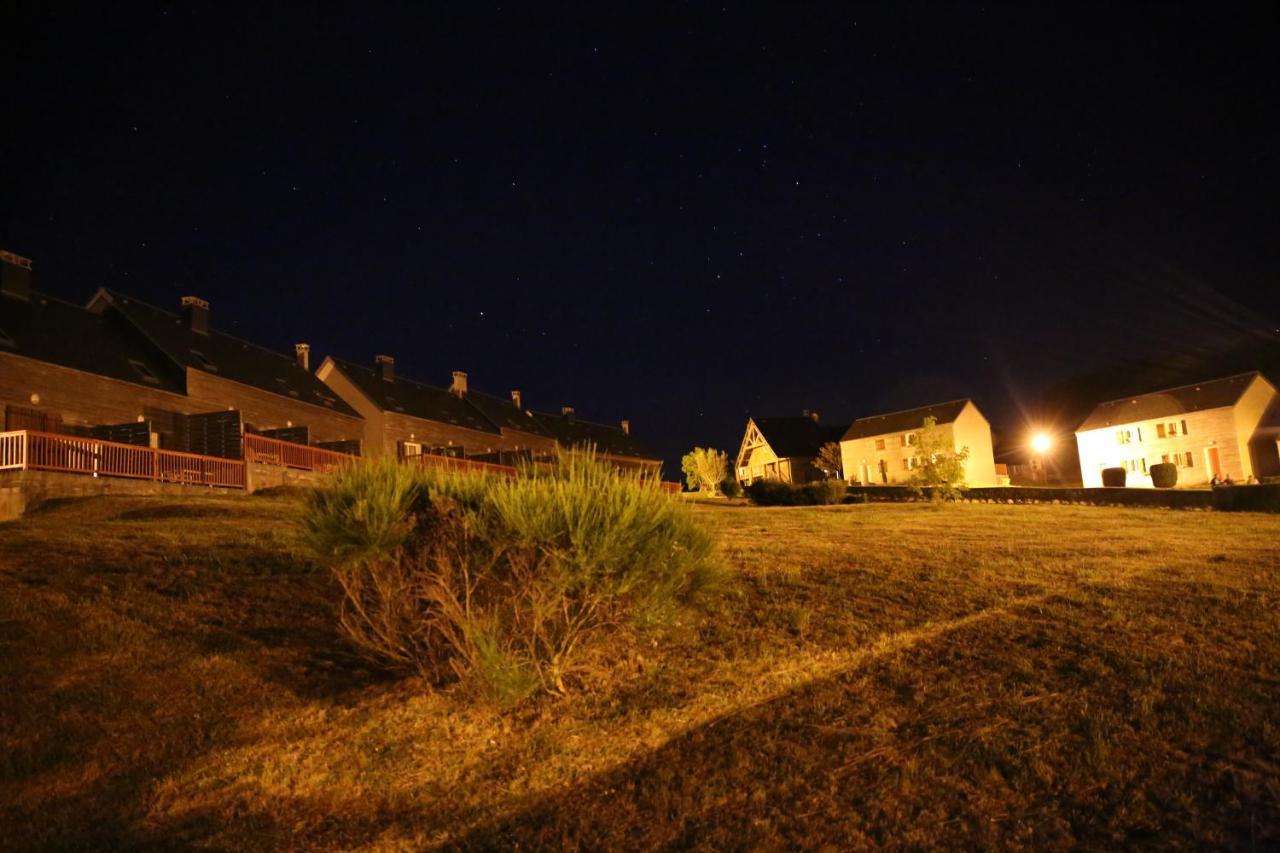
x=1041 y=442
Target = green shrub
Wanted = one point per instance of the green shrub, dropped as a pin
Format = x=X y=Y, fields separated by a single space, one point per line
x=771 y=493
x=731 y=488
x=1114 y=477
x=824 y=492
x=502 y=581
x=1164 y=475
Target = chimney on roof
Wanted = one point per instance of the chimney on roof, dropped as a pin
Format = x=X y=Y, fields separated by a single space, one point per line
x=566 y=412
x=459 y=385
x=303 y=352
x=195 y=314
x=813 y=416
x=15 y=275
x=385 y=367
x=516 y=400
x=626 y=427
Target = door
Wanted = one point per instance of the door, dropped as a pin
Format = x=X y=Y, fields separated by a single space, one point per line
x=1212 y=462
x=884 y=471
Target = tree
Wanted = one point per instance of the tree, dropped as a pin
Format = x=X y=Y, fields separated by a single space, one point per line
x=938 y=466
x=704 y=468
x=830 y=461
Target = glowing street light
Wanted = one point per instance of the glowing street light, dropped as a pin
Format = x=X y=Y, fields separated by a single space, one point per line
x=1040 y=443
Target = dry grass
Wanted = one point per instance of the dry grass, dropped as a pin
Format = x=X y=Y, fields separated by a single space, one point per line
x=903 y=675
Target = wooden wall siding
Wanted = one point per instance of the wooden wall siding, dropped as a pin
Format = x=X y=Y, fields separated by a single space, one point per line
x=264 y=410
x=83 y=399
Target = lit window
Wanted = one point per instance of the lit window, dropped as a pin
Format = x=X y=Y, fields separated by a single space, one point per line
x=204 y=361
x=145 y=372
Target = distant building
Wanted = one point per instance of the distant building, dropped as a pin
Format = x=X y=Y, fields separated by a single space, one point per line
x=1223 y=427
x=783 y=448
x=123 y=370
x=881 y=450
x=405 y=418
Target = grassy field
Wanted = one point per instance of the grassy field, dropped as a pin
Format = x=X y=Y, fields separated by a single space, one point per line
x=887 y=674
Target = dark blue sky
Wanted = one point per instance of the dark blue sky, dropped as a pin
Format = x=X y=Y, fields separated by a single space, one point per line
x=680 y=216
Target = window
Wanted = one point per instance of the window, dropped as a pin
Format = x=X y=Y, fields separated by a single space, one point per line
x=909 y=439
x=1190 y=463
x=1144 y=464
x=145 y=372
x=1139 y=433
x=1173 y=428
x=410 y=448
x=906 y=464
x=1184 y=427
x=7 y=341
x=879 y=444
x=1159 y=430
x=204 y=361
x=1164 y=458
x=284 y=386
x=395 y=404
x=1124 y=436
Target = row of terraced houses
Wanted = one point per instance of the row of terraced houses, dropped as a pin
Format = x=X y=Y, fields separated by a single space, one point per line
x=125 y=373
x=1219 y=430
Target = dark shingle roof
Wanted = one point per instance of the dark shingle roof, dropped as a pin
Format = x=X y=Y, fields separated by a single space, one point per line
x=57 y=332
x=575 y=432
x=796 y=436
x=904 y=421
x=1212 y=394
x=503 y=413
x=415 y=399
x=224 y=355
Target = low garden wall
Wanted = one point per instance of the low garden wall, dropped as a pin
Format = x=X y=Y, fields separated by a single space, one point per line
x=1261 y=498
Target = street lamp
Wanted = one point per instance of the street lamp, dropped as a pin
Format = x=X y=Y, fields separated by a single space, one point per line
x=1040 y=443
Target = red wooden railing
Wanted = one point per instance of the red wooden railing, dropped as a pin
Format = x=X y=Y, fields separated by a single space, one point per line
x=273 y=451
x=453 y=463
x=45 y=451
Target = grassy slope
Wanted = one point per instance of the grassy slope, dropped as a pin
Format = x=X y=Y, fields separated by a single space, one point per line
x=1032 y=675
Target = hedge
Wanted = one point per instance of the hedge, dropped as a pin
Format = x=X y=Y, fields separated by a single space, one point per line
x=1258 y=498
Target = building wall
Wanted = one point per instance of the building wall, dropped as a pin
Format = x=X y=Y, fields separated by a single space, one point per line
x=264 y=410
x=1249 y=411
x=84 y=399
x=1211 y=428
x=972 y=431
x=862 y=458
x=384 y=431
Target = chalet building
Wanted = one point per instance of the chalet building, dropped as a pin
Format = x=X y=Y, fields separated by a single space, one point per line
x=880 y=450
x=783 y=448
x=1223 y=427
x=121 y=369
x=404 y=418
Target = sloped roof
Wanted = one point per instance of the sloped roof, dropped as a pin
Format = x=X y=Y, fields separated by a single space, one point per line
x=1213 y=394
x=57 y=332
x=503 y=413
x=220 y=354
x=796 y=436
x=575 y=432
x=407 y=397
x=905 y=421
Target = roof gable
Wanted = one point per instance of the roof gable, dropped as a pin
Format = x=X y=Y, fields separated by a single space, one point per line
x=220 y=354
x=1197 y=397
x=407 y=397
x=796 y=436
x=906 y=420
x=47 y=329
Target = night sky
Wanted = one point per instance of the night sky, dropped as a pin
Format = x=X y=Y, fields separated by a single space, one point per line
x=682 y=217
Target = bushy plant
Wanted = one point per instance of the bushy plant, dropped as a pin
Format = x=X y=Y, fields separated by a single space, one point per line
x=778 y=493
x=503 y=581
x=705 y=469
x=771 y=493
x=824 y=492
x=939 y=468
x=1164 y=475
x=1114 y=477
x=730 y=488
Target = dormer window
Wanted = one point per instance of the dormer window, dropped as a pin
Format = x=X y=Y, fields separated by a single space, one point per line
x=147 y=374
x=7 y=341
x=284 y=386
x=395 y=404
x=203 y=361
